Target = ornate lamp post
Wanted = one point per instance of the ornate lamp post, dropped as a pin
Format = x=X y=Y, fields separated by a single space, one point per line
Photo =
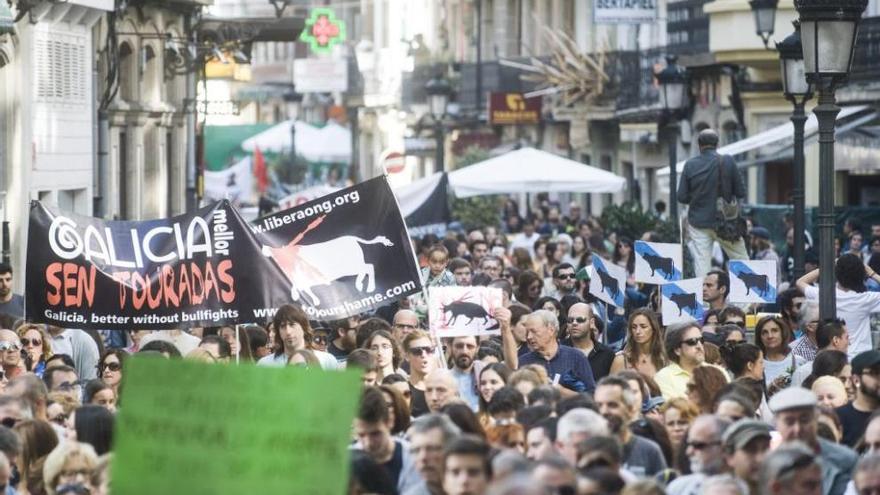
x=438 y=90
x=674 y=97
x=828 y=34
x=798 y=91
x=765 y=18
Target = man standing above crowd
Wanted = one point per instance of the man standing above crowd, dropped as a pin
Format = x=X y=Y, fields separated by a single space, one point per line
x=10 y=303
x=466 y=369
x=703 y=177
x=582 y=336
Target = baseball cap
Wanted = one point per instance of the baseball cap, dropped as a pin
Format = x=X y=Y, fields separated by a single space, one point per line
x=761 y=232
x=739 y=434
x=792 y=398
x=865 y=361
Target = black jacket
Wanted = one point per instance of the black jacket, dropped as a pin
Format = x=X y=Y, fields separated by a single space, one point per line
x=698 y=187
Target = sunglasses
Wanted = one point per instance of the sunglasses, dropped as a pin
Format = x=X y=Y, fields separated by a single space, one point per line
x=33 y=342
x=566 y=276
x=9 y=346
x=577 y=319
x=319 y=339
x=693 y=342
x=420 y=351
x=111 y=367
x=68 y=386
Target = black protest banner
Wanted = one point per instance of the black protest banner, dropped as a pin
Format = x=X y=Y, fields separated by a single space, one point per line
x=344 y=253
x=199 y=269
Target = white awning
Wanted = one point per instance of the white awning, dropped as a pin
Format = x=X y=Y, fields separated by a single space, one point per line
x=770 y=136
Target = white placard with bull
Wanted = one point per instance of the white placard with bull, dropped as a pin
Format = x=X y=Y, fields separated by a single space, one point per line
x=752 y=281
x=682 y=301
x=657 y=263
x=608 y=282
x=457 y=311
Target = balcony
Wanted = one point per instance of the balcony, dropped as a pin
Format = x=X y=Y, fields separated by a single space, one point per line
x=732 y=37
x=865 y=67
x=633 y=88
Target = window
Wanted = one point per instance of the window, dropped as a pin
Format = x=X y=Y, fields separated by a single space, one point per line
x=126 y=72
x=60 y=68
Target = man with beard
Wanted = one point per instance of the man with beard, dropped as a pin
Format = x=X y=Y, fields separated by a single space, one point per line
x=344 y=334
x=618 y=404
x=866 y=380
x=10 y=304
x=703 y=448
x=564 y=282
x=582 y=336
x=745 y=444
x=466 y=369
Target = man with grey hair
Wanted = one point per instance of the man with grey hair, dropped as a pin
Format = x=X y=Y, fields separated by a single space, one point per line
x=428 y=436
x=574 y=427
x=703 y=178
x=704 y=452
x=806 y=346
x=867 y=475
x=566 y=366
x=724 y=484
x=791 y=468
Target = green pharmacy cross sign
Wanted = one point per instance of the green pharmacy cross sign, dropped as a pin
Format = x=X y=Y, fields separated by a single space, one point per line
x=323 y=30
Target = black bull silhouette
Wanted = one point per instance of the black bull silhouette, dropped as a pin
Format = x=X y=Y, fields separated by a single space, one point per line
x=609 y=282
x=468 y=310
x=685 y=301
x=656 y=262
x=756 y=281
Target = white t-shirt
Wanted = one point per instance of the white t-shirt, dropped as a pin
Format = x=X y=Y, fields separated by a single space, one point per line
x=855 y=309
x=328 y=362
x=773 y=369
x=521 y=241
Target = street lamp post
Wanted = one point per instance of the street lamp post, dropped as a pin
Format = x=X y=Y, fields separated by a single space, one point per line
x=438 y=90
x=828 y=35
x=674 y=97
x=765 y=18
x=798 y=91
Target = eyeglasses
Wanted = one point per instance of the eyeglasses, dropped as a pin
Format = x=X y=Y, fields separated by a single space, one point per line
x=566 y=276
x=32 y=342
x=9 y=346
x=693 y=342
x=577 y=319
x=702 y=445
x=420 y=351
x=111 y=367
x=799 y=462
x=68 y=386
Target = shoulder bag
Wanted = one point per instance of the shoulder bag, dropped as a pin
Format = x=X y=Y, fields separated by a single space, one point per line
x=729 y=224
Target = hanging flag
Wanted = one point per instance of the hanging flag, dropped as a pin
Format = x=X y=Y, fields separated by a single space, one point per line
x=344 y=253
x=200 y=269
x=234 y=183
x=260 y=171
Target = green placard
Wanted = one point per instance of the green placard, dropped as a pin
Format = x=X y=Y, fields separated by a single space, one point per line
x=195 y=428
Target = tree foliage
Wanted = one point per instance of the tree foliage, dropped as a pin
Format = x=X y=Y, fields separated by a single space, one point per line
x=631 y=220
x=478 y=211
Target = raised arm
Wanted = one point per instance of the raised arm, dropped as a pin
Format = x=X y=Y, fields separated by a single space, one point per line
x=508 y=342
x=808 y=279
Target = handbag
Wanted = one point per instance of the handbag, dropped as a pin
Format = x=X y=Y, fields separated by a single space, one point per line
x=729 y=224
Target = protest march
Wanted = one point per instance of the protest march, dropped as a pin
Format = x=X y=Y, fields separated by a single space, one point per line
x=326 y=349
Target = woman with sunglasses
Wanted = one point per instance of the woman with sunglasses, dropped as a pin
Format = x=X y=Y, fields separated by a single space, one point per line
x=420 y=353
x=37 y=346
x=644 y=350
x=772 y=335
x=110 y=367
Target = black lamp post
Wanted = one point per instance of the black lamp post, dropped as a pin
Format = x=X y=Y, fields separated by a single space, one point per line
x=674 y=98
x=798 y=91
x=765 y=18
x=828 y=35
x=438 y=90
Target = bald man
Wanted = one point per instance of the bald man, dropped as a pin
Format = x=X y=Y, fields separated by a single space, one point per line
x=441 y=388
x=583 y=336
x=10 y=354
x=405 y=322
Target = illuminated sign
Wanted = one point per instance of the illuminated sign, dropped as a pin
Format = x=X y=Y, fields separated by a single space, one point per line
x=323 y=30
x=513 y=108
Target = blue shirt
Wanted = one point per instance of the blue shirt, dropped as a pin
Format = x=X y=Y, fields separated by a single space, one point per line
x=570 y=364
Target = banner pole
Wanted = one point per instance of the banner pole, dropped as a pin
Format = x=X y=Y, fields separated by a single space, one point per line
x=237 y=339
x=607 y=323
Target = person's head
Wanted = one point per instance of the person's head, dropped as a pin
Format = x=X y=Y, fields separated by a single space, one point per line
x=574 y=427
x=492 y=378
x=684 y=345
x=579 y=321
x=405 y=322
x=772 y=335
x=527 y=378
x=382 y=343
x=791 y=468
x=420 y=352
x=441 y=388
x=70 y=463
x=678 y=414
x=94 y=426
x=704 y=385
x=98 y=392
x=832 y=335
x=541 y=330
x=507 y=436
x=735 y=404
x=829 y=391
x=398 y=408
x=732 y=315
x=466 y=466
x=10 y=443
x=63 y=379
x=217 y=347
x=492 y=266
x=730 y=334
x=367 y=363
x=716 y=287
x=643 y=331
x=291 y=328
x=464 y=351
x=746 y=443
x=372 y=425
x=850 y=272
x=36 y=341
x=428 y=435
x=790 y=302
x=10 y=349
x=110 y=366
x=518 y=314
x=794 y=410
x=529 y=285
x=438 y=257
x=461 y=270
x=808 y=318
x=555 y=473
x=867 y=475
x=703 y=446
x=368 y=476
x=259 y=341
x=478 y=249
x=540 y=438
x=505 y=404
x=707 y=139
x=564 y=277
x=617 y=402
x=743 y=359
x=866 y=376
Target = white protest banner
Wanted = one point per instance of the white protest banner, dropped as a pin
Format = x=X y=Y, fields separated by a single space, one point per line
x=682 y=301
x=752 y=281
x=608 y=282
x=457 y=311
x=657 y=263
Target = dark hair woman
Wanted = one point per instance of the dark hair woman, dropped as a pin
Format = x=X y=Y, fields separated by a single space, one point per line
x=644 y=350
x=110 y=367
x=743 y=359
x=528 y=288
x=94 y=426
x=772 y=335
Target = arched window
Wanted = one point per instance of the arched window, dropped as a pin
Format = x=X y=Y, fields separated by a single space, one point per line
x=127 y=72
x=151 y=76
